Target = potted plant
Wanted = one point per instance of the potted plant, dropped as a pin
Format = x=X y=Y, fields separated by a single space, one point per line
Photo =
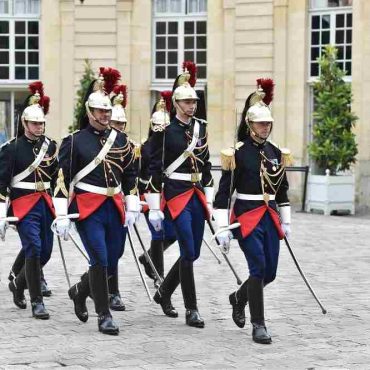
x=331 y=186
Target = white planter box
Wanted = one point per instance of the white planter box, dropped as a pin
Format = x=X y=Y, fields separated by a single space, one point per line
x=331 y=193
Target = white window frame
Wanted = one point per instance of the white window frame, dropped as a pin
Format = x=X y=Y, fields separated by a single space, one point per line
x=180 y=18
x=333 y=12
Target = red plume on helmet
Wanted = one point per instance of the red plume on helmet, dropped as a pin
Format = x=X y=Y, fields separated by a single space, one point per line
x=38 y=87
x=192 y=68
x=167 y=95
x=121 y=89
x=267 y=85
x=111 y=77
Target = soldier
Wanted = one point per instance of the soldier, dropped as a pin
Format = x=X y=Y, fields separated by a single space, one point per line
x=180 y=157
x=28 y=169
x=160 y=240
x=255 y=169
x=96 y=166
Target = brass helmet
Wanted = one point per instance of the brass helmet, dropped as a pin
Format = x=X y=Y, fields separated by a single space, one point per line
x=119 y=104
x=184 y=90
x=259 y=110
x=38 y=104
x=161 y=118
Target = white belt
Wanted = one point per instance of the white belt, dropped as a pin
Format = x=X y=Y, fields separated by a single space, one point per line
x=255 y=196
x=38 y=186
x=193 y=177
x=109 y=192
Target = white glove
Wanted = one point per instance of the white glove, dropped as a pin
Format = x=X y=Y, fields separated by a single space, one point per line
x=131 y=217
x=3 y=224
x=155 y=218
x=224 y=240
x=61 y=226
x=286 y=229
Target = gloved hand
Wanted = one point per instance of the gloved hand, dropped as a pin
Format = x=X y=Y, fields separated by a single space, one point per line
x=286 y=229
x=3 y=227
x=224 y=240
x=62 y=227
x=131 y=217
x=155 y=218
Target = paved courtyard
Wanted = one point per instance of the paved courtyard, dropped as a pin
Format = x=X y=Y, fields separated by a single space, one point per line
x=333 y=251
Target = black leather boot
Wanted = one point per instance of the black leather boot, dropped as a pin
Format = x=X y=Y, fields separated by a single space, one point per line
x=115 y=300
x=238 y=300
x=17 y=286
x=145 y=263
x=192 y=315
x=99 y=291
x=165 y=291
x=256 y=308
x=17 y=265
x=34 y=287
x=45 y=291
x=78 y=293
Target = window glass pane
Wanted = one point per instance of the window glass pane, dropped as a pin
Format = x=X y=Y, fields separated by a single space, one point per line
x=201 y=57
x=202 y=27
x=318 y=4
x=339 y=21
x=20 y=42
x=349 y=52
x=20 y=57
x=33 y=43
x=349 y=68
x=349 y=20
x=4 y=27
x=201 y=42
x=189 y=42
x=325 y=37
x=193 y=6
x=20 y=73
x=20 y=28
x=171 y=72
x=20 y=7
x=160 y=57
x=340 y=54
x=175 y=6
x=339 y=37
x=33 y=28
x=316 y=22
x=161 y=28
x=4 y=6
x=172 y=28
x=325 y=21
x=315 y=53
x=202 y=72
x=33 y=73
x=340 y=65
x=349 y=37
x=4 y=42
x=314 y=69
x=315 y=38
x=172 y=57
x=160 y=6
x=189 y=27
x=160 y=72
x=4 y=73
x=189 y=55
x=4 y=57
x=172 y=43
x=34 y=6
x=202 y=5
x=160 y=43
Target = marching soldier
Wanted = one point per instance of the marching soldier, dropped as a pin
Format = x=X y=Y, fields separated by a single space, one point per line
x=180 y=158
x=255 y=169
x=96 y=165
x=28 y=169
x=160 y=240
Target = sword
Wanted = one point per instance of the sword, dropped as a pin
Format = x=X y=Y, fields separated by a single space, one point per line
x=211 y=250
x=238 y=281
x=138 y=265
x=64 y=261
x=74 y=241
x=303 y=276
x=146 y=254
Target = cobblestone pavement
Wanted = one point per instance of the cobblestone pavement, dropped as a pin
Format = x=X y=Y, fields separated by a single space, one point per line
x=334 y=253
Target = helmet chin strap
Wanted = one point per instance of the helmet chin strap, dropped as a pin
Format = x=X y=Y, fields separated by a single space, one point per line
x=92 y=118
x=254 y=134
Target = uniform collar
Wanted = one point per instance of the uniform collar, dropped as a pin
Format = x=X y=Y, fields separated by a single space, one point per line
x=96 y=132
x=183 y=124
x=33 y=142
x=255 y=144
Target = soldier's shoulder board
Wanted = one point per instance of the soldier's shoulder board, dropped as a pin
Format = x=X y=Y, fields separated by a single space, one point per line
x=286 y=155
x=7 y=143
x=228 y=159
x=71 y=134
x=202 y=121
x=238 y=145
x=159 y=127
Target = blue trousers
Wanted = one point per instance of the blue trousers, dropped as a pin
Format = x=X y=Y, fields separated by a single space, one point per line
x=35 y=232
x=189 y=227
x=261 y=250
x=102 y=235
x=167 y=232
